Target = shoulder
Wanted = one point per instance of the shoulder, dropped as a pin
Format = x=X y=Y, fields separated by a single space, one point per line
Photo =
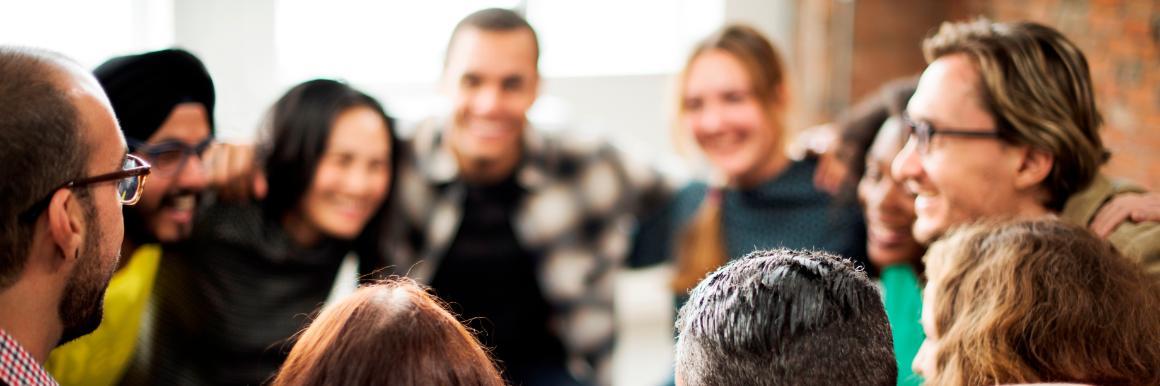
x=1140 y=241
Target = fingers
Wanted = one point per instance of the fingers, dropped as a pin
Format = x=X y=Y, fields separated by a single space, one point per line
x=232 y=170
x=1134 y=207
x=830 y=173
x=1148 y=208
x=1109 y=216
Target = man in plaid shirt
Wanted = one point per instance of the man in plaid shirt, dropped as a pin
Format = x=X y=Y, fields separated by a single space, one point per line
x=65 y=173
x=519 y=230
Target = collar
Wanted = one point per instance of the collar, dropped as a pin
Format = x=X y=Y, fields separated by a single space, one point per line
x=17 y=368
x=436 y=162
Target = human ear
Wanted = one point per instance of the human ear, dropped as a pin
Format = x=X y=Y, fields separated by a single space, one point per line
x=66 y=225
x=1034 y=168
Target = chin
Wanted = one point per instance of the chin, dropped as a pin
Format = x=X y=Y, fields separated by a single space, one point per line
x=927 y=233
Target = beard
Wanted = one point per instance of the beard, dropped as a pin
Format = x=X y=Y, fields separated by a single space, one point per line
x=82 y=307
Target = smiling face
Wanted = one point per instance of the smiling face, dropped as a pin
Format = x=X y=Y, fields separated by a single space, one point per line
x=352 y=178
x=729 y=123
x=167 y=206
x=959 y=179
x=492 y=81
x=888 y=206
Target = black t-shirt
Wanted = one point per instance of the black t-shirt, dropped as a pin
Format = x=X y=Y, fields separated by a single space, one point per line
x=489 y=280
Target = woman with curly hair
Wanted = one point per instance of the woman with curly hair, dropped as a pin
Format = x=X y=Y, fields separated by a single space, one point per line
x=1037 y=301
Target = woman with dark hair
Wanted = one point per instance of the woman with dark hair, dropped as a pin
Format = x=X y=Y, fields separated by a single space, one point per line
x=1037 y=301
x=872 y=134
x=227 y=308
x=389 y=333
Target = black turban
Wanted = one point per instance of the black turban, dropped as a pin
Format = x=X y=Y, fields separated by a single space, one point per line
x=145 y=88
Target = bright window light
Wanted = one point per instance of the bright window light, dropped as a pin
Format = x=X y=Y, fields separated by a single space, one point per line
x=88 y=31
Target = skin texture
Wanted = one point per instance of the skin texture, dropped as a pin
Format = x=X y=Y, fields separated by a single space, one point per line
x=76 y=245
x=962 y=179
x=492 y=81
x=888 y=206
x=729 y=124
x=167 y=206
x=1134 y=207
x=81 y=307
x=351 y=181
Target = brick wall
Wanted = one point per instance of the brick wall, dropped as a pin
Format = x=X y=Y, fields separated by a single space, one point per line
x=1121 y=39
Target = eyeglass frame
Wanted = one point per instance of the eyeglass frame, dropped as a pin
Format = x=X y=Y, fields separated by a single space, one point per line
x=923 y=141
x=148 y=150
x=141 y=171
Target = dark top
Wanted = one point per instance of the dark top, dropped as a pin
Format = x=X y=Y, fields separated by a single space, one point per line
x=786 y=211
x=489 y=279
x=226 y=307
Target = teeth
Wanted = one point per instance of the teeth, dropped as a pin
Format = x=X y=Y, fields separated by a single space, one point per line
x=186 y=202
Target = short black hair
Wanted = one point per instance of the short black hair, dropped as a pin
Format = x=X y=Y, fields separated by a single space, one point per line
x=493 y=20
x=785 y=317
x=41 y=145
x=297 y=133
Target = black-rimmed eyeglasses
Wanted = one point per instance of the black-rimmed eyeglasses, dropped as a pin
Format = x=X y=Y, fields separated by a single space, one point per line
x=923 y=132
x=169 y=157
x=130 y=182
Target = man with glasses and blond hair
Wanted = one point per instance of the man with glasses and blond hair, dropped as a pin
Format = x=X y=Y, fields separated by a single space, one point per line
x=1004 y=124
x=164 y=102
x=66 y=174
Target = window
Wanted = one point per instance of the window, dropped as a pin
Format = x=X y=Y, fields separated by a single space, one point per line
x=88 y=31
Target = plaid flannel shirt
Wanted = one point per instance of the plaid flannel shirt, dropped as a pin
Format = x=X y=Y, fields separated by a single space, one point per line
x=577 y=217
x=17 y=368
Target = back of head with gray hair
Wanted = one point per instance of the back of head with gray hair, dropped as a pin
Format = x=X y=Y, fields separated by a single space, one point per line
x=785 y=317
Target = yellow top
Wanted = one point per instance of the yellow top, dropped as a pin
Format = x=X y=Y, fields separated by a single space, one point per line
x=101 y=357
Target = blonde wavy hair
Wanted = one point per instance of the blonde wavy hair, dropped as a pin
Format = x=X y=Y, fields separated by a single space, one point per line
x=1040 y=301
x=1037 y=85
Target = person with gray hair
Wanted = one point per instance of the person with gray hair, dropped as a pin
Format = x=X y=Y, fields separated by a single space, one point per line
x=785 y=317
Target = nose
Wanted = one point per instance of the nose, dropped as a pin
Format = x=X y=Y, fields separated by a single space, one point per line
x=486 y=101
x=907 y=164
x=192 y=174
x=709 y=120
x=894 y=197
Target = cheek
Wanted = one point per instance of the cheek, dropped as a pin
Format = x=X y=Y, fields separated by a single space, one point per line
x=326 y=179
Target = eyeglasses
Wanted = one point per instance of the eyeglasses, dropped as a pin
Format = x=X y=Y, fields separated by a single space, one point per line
x=923 y=132
x=169 y=157
x=130 y=182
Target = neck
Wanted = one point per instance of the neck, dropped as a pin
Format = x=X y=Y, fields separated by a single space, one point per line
x=486 y=171
x=1031 y=208
x=31 y=321
x=775 y=164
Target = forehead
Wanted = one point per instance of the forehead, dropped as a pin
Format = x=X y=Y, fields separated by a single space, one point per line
x=187 y=122
x=98 y=125
x=359 y=127
x=492 y=52
x=715 y=69
x=948 y=87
